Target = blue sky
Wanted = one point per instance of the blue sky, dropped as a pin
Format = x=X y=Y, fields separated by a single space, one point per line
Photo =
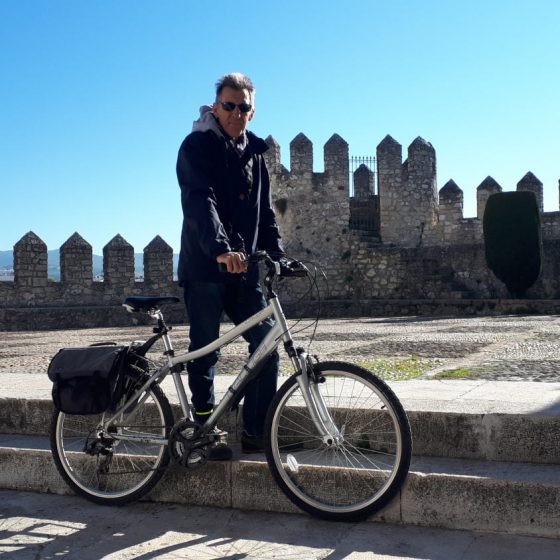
x=96 y=97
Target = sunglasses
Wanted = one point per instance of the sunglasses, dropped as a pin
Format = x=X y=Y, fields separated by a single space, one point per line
x=230 y=106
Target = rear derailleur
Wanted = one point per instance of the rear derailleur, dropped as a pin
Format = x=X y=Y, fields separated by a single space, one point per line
x=102 y=447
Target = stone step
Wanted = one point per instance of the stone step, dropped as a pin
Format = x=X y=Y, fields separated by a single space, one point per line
x=503 y=497
x=492 y=437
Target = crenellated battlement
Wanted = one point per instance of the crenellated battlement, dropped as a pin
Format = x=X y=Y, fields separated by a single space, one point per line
x=312 y=208
x=409 y=210
x=335 y=157
x=77 y=288
x=408 y=195
x=301 y=156
x=76 y=258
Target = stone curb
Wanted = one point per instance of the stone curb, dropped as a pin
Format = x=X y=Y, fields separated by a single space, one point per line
x=505 y=498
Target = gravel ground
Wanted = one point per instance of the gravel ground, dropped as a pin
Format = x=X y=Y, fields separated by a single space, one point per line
x=506 y=348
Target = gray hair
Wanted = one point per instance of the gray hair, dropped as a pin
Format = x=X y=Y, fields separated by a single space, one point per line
x=236 y=81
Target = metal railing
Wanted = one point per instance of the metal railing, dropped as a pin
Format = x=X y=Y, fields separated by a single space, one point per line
x=363 y=176
x=364 y=203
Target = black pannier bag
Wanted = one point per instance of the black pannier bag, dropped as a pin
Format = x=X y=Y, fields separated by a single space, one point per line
x=87 y=380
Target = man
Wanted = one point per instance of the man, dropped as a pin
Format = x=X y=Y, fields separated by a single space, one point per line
x=227 y=213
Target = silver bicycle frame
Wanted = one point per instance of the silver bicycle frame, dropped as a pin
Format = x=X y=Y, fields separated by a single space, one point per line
x=279 y=332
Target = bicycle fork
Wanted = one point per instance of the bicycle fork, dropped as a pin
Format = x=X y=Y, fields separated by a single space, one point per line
x=315 y=403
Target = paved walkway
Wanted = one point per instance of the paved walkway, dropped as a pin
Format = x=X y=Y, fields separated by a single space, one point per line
x=40 y=526
x=506 y=348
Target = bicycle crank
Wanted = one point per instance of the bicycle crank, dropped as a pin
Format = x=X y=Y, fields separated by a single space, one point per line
x=186 y=448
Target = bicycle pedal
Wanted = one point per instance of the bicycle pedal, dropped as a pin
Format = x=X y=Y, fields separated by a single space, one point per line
x=218 y=436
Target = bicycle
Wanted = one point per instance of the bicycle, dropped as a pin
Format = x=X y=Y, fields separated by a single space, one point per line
x=337 y=439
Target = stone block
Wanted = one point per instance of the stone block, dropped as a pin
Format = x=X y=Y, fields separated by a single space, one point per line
x=494 y=437
x=25 y=416
x=254 y=488
x=531 y=439
x=447 y=434
x=210 y=485
x=29 y=470
x=481 y=503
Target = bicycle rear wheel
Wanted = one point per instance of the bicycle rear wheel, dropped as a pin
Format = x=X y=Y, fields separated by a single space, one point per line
x=360 y=473
x=98 y=465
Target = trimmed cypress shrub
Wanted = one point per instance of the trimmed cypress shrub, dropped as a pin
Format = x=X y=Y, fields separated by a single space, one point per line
x=512 y=239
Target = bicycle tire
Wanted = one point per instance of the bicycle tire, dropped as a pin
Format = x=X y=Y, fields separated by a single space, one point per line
x=129 y=470
x=355 y=477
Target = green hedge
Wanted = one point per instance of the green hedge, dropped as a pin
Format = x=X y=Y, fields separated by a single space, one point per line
x=512 y=239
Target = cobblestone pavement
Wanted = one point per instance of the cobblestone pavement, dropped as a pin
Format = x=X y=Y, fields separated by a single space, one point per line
x=508 y=348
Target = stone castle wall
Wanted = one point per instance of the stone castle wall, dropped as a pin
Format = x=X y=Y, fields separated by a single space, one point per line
x=421 y=246
x=417 y=247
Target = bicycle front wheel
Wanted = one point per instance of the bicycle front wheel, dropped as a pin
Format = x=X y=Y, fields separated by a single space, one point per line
x=119 y=463
x=354 y=474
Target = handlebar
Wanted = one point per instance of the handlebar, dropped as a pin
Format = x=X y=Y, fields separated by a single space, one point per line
x=283 y=268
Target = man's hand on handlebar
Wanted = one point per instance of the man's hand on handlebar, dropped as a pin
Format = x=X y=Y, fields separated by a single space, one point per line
x=237 y=263
x=234 y=262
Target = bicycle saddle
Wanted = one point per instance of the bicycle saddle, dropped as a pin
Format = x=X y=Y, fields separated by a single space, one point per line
x=143 y=303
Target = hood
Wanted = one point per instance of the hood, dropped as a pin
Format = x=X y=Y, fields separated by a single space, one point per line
x=207 y=121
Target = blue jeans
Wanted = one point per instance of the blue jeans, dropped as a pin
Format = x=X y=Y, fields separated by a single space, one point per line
x=205 y=304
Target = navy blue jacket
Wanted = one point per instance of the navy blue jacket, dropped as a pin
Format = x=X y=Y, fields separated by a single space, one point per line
x=226 y=205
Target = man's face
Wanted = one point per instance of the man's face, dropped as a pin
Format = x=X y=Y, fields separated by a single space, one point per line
x=234 y=122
